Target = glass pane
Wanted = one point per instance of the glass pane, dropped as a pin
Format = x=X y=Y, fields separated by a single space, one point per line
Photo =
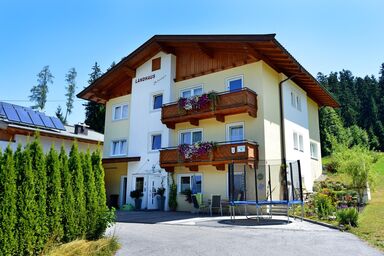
x=123 y=146
x=238 y=186
x=298 y=103
x=185 y=138
x=301 y=145
x=197 y=136
x=186 y=94
x=236 y=133
x=140 y=183
x=196 y=184
x=295 y=142
x=157 y=101
x=236 y=84
x=115 y=146
x=156 y=142
x=125 y=111
x=117 y=113
x=198 y=91
x=293 y=101
x=185 y=183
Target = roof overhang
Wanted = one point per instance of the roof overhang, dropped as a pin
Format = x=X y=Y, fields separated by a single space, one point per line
x=121 y=159
x=118 y=80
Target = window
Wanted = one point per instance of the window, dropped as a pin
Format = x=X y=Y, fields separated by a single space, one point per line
x=155 y=141
x=235 y=132
x=190 y=181
x=235 y=84
x=314 y=150
x=190 y=137
x=156 y=64
x=157 y=101
x=239 y=186
x=120 y=112
x=187 y=93
x=119 y=147
x=296 y=101
x=298 y=142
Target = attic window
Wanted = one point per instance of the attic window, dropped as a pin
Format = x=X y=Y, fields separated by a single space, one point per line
x=156 y=64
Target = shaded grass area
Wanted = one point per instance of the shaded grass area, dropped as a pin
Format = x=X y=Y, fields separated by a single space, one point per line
x=101 y=247
x=371 y=220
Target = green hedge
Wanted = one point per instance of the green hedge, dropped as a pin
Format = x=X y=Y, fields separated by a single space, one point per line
x=50 y=197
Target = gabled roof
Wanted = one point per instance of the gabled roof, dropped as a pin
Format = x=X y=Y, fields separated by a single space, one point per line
x=117 y=81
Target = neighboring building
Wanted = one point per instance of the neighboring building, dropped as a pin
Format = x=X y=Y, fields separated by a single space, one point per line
x=263 y=95
x=19 y=124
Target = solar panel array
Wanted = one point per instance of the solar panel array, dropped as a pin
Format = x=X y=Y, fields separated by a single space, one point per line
x=22 y=115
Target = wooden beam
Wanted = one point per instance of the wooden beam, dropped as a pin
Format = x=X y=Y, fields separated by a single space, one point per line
x=194 y=168
x=169 y=169
x=220 y=167
x=170 y=126
x=129 y=71
x=194 y=122
x=251 y=52
x=165 y=48
x=220 y=118
x=205 y=50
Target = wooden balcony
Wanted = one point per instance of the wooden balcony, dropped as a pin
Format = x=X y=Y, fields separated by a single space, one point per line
x=222 y=153
x=228 y=103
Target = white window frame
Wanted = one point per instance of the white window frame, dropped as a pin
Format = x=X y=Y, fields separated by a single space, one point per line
x=125 y=149
x=296 y=100
x=232 y=78
x=191 y=131
x=314 y=153
x=150 y=135
x=191 y=89
x=190 y=175
x=298 y=141
x=121 y=105
x=228 y=127
x=152 y=101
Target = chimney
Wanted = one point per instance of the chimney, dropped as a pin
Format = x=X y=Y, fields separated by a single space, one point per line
x=81 y=128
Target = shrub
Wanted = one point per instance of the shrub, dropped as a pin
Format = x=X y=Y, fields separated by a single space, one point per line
x=136 y=194
x=348 y=217
x=324 y=206
x=172 y=202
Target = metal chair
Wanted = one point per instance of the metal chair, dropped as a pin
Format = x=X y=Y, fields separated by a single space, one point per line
x=216 y=204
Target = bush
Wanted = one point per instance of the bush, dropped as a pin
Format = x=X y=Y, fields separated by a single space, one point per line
x=136 y=194
x=348 y=217
x=324 y=206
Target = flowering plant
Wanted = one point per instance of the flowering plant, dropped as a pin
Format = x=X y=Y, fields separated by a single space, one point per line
x=194 y=102
x=195 y=150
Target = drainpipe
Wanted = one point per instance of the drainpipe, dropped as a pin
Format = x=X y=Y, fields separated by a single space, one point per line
x=282 y=134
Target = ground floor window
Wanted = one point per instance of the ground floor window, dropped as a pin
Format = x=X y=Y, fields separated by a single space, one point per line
x=190 y=181
x=314 y=150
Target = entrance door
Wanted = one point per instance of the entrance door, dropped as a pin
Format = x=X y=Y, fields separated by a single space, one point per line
x=154 y=183
x=139 y=183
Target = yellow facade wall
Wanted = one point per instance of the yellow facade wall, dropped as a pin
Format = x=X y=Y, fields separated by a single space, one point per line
x=118 y=129
x=112 y=178
x=313 y=120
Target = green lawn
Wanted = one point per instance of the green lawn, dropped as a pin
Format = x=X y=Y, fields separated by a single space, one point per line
x=371 y=220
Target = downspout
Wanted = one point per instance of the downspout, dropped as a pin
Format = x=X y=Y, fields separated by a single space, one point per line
x=282 y=135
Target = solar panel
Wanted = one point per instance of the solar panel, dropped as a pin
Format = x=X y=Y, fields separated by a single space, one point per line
x=58 y=124
x=10 y=112
x=2 y=113
x=47 y=121
x=35 y=117
x=24 y=117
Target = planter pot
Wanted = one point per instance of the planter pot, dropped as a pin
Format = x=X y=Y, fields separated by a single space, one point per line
x=161 y=203
x=138 y=204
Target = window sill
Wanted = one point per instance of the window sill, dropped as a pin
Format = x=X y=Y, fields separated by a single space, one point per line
x=314 y=158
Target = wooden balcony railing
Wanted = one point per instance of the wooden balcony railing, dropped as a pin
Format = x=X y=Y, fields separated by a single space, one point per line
x=227 y=103
x=221 y=154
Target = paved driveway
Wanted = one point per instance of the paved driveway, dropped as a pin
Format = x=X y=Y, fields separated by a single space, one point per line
x=183 y=235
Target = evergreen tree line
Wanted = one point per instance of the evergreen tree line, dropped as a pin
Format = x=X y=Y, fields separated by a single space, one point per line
x=359 y=120
x=50 y=197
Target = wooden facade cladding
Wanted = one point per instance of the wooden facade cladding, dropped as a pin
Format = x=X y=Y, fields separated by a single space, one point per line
x=228 y=103
x=223 y=153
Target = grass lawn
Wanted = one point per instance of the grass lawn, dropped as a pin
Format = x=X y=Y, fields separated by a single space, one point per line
x=371 y=220
x=101 y=247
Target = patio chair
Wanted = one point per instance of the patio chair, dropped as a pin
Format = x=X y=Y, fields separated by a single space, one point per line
x=197 y=205
x=216 y=204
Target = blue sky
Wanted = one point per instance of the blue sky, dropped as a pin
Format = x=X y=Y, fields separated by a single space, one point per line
x=323 y=36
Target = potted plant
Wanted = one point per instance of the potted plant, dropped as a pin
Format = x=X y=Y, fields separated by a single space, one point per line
x=161 y=198
x=137 y=195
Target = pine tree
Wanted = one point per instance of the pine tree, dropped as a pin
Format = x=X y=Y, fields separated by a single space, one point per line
x=54 y=193
x=59 y=114
x=26 y=202
x=40 y=91
x=70 y=78
x=68 y=200
x=90 y=194
x=8 y=210
x=75 y=168
x=38 y=166
x=95 y=112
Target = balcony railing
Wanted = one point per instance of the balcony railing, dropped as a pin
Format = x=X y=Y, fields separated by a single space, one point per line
x=227 y=103
x=222 y=153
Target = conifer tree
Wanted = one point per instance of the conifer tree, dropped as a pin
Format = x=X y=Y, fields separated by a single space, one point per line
x=54 y=192
x=8 y=210
x=26 y=202
x=76 y=171
x=38 y=166
x=90 y=195
x=39 y=92
x=68 y=200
